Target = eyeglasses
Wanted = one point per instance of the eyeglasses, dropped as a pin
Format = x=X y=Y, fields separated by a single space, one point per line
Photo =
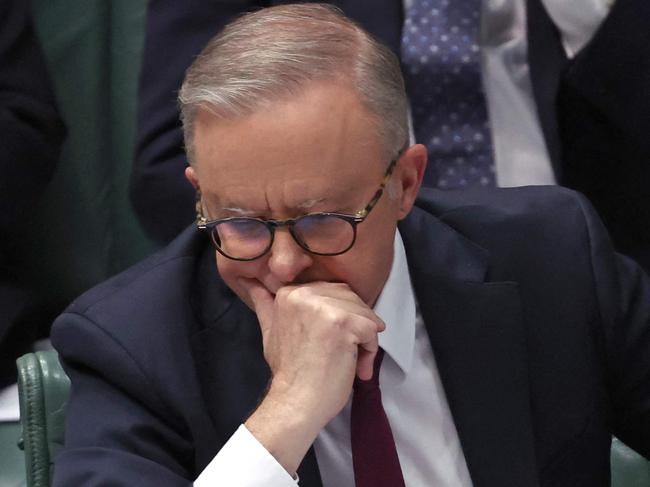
x=245 y=238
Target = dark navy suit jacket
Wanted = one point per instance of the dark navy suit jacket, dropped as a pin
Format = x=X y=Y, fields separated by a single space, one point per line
x=541 y=334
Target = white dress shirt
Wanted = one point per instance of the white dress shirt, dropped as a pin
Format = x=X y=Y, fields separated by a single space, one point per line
x=520 y=152
x=413 y=397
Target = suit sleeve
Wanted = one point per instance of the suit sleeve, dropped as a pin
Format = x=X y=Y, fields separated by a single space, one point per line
x=119 y=431
x=176 y=31
x=623 y=293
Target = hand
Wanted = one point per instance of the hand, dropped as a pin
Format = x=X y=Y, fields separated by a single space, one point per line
x=316 y=337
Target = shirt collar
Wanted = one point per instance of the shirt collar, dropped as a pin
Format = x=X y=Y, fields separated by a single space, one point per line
x=396 y=306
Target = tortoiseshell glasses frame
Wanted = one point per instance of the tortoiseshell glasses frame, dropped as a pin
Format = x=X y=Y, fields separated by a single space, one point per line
x=258 y=234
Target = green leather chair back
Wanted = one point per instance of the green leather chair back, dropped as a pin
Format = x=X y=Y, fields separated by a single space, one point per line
x=43 y=389
x=83 y=230
x=629 y=469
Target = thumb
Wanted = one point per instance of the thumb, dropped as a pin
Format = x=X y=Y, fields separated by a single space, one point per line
x=262 y=300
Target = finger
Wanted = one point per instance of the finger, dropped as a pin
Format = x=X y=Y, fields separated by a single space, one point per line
x=366 y=361
x=262 y=301
x=365 y=334
x=359 y=310
x=337 y=290
x=341 y=296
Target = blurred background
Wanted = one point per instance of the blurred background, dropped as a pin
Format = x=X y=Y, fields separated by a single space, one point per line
x=83 y=229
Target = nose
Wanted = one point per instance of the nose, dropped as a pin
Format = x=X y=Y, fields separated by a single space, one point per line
x=286 y=258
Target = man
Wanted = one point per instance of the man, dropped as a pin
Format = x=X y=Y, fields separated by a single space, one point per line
x=509 y=340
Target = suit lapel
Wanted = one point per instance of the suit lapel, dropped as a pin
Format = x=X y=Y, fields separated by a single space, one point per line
x=478 y=340
x=229 y=361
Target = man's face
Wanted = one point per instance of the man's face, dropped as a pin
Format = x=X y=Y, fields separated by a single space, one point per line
x=318 y=152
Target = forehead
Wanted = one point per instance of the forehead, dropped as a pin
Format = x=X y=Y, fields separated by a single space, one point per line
x=320 y=142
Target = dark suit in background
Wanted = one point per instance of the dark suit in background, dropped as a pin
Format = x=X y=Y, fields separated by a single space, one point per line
x=605 y=119
x=31 y=134
x=550 y=358
x=597 y=144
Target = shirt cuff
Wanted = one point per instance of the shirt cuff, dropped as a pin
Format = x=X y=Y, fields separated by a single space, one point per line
x=244 y=462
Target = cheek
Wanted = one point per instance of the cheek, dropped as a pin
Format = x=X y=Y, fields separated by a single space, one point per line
x=369 y=265
x=362 y=269
x=231 y=270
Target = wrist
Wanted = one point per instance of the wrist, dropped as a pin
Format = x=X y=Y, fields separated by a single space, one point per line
x=286 y=426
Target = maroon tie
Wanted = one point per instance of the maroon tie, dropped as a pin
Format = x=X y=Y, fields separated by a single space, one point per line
x=374 y=455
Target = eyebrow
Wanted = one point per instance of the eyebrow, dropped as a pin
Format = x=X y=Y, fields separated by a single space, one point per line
x=306 y=205
x=238 y=211
x=311 y=203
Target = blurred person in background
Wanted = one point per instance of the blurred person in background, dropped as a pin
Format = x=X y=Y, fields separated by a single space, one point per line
x=31 y=134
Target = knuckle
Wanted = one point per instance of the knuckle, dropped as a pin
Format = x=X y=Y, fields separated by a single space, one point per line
x=379 y=324
x=340 y=285
x=282 y=293
x=297 y=295
x=351 y=339
x=335 y=317
x=290 y=296
x=368 y=330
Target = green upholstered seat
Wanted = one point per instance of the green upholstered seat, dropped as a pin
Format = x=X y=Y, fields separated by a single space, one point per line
x=43 y=389
x=12 y=468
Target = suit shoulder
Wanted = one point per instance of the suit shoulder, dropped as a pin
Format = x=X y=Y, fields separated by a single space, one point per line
x=161 y=273
x=523 y=226
x=506 y=208
x=135 y=315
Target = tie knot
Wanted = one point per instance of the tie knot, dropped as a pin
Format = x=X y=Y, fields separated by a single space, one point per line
x=373 y=382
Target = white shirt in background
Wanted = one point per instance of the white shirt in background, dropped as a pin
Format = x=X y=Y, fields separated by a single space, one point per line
x=520 y=153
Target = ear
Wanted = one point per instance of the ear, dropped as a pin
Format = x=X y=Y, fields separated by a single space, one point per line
x=410 y=172
x=190 y=175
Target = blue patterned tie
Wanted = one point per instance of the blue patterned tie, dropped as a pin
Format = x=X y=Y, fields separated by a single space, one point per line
x=441 y=56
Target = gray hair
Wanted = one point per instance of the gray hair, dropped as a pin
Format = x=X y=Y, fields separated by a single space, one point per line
x=273 y=53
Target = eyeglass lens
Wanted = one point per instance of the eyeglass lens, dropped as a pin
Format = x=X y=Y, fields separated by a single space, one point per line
x=244 y=238
x=324 y=234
